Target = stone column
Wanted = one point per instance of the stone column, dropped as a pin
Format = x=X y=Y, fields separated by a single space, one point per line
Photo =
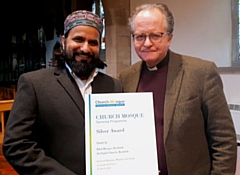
x=118 y=43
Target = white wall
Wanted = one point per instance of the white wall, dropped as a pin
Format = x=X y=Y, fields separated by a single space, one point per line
x=202 y=29
x=231 y=84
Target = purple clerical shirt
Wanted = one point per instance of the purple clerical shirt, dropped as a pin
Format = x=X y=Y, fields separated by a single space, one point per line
x=155 y=81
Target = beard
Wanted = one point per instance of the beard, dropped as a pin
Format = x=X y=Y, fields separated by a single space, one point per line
x=83 y=68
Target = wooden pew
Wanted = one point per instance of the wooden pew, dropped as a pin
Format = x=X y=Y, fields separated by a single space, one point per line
x=7 y=96
x=5 y=105
x=7 y=93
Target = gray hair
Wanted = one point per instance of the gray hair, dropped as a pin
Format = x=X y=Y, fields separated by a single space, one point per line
x=167 y=14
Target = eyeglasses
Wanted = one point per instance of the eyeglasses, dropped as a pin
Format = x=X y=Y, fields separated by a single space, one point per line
x=154 y=37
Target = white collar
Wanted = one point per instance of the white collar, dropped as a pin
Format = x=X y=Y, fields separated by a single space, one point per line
x=152 y=68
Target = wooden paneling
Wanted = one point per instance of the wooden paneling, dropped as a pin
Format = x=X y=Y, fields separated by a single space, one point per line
x=5 y=167
x=5 y=105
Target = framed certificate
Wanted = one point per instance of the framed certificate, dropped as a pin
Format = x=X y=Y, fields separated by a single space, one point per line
x=120 y=134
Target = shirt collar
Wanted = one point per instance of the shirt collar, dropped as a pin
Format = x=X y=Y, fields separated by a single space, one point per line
x=90 y=78
x=163 y=63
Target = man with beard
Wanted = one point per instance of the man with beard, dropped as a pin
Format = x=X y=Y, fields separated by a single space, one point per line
x=45 y=132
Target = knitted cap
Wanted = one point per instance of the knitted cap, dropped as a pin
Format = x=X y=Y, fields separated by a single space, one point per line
x=82 y=18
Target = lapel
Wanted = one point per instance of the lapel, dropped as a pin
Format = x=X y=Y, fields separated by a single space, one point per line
x=174 y=80
x=99 y=84
x=134 y=76
x=68 y=83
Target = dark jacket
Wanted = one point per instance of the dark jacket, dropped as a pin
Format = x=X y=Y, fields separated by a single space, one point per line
x=45 y=132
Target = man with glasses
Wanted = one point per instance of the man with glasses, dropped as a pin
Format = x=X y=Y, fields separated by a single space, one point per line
x=194 y=129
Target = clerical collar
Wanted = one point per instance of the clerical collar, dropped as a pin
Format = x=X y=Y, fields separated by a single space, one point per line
x=152 y=68
x=163 y=63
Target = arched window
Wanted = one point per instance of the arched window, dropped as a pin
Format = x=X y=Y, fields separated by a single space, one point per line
x=97 y=8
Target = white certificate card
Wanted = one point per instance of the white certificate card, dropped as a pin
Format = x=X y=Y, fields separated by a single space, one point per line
x=120 y=134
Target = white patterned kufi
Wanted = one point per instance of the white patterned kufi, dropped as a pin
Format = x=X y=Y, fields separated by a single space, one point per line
x=82 y=18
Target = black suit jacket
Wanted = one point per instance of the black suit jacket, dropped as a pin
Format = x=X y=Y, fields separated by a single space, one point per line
x=45 y=132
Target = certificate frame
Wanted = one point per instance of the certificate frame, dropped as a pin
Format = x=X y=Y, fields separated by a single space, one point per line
x=120 y=134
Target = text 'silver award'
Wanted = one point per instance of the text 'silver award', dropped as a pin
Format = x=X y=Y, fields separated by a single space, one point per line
x=120 y=134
